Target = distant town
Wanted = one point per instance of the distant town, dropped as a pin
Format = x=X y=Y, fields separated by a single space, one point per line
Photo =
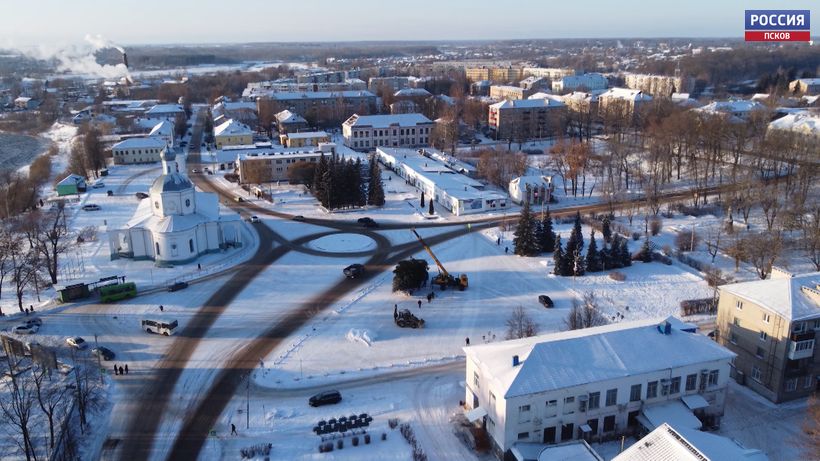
x=585 y=249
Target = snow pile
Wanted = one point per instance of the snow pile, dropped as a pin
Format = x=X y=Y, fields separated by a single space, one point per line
x=363 y=336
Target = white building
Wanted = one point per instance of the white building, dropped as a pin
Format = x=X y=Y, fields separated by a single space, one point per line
x=595 y=382
x=164 y=130
x=364 y=132
x=138 y=150
x=736 y=109
x=667 y=443
x=586 y=82
x=456 y=192
x=803 y=122
x=175 y=224
x=540 y=189
x=165 y=112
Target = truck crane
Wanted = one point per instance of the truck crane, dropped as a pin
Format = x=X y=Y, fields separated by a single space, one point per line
x=443 y=279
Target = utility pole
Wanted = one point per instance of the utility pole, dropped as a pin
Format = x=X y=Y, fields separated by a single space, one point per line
x=248 y=402
x=99 y=363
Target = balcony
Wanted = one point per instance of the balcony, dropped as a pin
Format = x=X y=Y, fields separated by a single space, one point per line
x=801 y=349
x=805 y=336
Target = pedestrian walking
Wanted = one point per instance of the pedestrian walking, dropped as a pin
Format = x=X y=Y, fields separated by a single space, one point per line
x=121 y=371
x=467 y=340
x=498 y=241
x=161 y=309
x=419 y=304
x=395 y=312
x=198 y=266
x=506 y=250
x=233 y=429
x=31 y=307
x=429 y=298
x=126 y=368
x=115 y=370
x=26 y=311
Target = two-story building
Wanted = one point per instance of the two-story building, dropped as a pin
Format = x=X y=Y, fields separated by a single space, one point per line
x=772 y=326
x=366 y=132
x=232 y=133
x=138 y=150
x=596 y=382
x=304 y=139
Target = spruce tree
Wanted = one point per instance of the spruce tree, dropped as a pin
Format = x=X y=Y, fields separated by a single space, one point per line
x=422 y=199
x=430 y=210
x=375 y=188
x=606 y=230
x=575 y=244
x=593 y=261
x=524 y=241
x=558 y=258
x=318 y=179
x=547 y=233
x=624 y=254
x=361 y=192
x=645 y=254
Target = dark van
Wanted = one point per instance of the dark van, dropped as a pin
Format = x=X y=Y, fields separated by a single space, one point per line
x=325 y=398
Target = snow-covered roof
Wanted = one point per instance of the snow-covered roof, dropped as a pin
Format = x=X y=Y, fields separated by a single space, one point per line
x=232 y=127
x=412 y=92
x=71 y=179
x=576 y=450
x=626 y=94
x=285 y=95
x=173 y=182
x=591 y=96
x=731 y=106
x=547 y=101
x=668 y=443
x=307 y=135
x=550 y=362
x=794 y=298
x=674 y=412
x=386 y=121
x=803 y=122
x=287 y=116
x=809 y=81
x=543 y=94
x=163 y=128
x=140 y=143
x=165 y=109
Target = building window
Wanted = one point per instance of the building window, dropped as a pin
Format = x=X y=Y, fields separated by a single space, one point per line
x=594 y=400
x=791 y=384
x=691 y=382
x=188 y=202
x=807 y=382
x=817 y=324
x=492 y=400
x=799 y=327
x=476 y=380
x=635 y=393
x=191 y=245
x=766 y=317
x=713 y=377
x=760 y=353
x=552 y=409
x=524 y=414
x=674 y=385
x=739 y=305
x=764 y=336
x=157 y=244
x=733 y=338
x=756 y=374
x=803 y=345
x=611 y=397
x=523 y=435
x=651 y=389
x=736 y=321
x=569 y=405
x=156 y=204
x=609 y=423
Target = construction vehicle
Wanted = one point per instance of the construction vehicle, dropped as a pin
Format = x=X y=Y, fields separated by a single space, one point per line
x=443 y=279
x=405 y=319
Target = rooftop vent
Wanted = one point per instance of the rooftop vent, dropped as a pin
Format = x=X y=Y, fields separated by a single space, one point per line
x=665 y=328
x=516 y=361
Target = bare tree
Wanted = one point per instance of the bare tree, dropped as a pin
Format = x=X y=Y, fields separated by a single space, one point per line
x=47 y=235
x=24 y=265
x=736 y=250
x=87 y=388
x=762 y=250
x=16 y=405
x=6 y=265
x=713 y=241
x=810 y=229
x=52 y=399
x=520 y=325
x=585 y=314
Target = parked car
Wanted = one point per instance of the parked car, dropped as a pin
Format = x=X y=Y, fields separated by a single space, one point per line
x=178 y=286
x=25 y=329
x=298 y=218
x=141 y=195
x=33 y=321
x=91 y=207
x=76 y=342
x=545 y=301
x=194 y=170
x=354 y=270
x=325 y=398
x=368 y=222
x=103 y=353
x=98 y=185
x=254 y=219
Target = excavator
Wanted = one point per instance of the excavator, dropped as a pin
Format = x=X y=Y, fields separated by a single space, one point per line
x=443 y=279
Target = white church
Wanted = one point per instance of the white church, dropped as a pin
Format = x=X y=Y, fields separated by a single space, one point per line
x=175 y=224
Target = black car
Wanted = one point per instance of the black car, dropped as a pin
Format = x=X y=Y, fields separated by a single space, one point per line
x=354 y=270
x=367 y=222
x=103 y=353
x=325 y=398
x=298 y=218
x=178 y=286
x=545 y=301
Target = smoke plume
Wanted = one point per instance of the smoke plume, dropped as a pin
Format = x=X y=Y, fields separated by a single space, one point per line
x=79 y=58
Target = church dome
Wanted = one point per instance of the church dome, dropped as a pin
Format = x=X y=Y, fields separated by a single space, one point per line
x=173 y=182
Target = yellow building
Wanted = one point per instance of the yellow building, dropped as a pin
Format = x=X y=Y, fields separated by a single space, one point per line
x=312 y=138
x=772 y=326
x=232 y=133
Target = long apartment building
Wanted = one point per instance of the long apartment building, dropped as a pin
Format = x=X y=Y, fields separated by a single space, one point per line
x=523 y=119
x=307 y=102
x=366 y=132
x=258 y=164
x=596 y=383
x=659 y=85
x=499 y=92
x=772 y=326
x=586 y=82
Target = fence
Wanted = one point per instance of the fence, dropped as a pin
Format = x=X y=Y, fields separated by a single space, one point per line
x=698 y=306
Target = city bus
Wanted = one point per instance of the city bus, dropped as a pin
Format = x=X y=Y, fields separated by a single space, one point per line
x=110 y=293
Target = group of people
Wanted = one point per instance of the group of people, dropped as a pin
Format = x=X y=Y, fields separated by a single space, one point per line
x=120 y=370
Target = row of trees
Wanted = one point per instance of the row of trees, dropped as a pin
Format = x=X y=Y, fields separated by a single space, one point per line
x=339 y=183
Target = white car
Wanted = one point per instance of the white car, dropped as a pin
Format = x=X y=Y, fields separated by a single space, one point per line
x=254 y=219
x=76 y=342
x=98 y=185
x=26 y=329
